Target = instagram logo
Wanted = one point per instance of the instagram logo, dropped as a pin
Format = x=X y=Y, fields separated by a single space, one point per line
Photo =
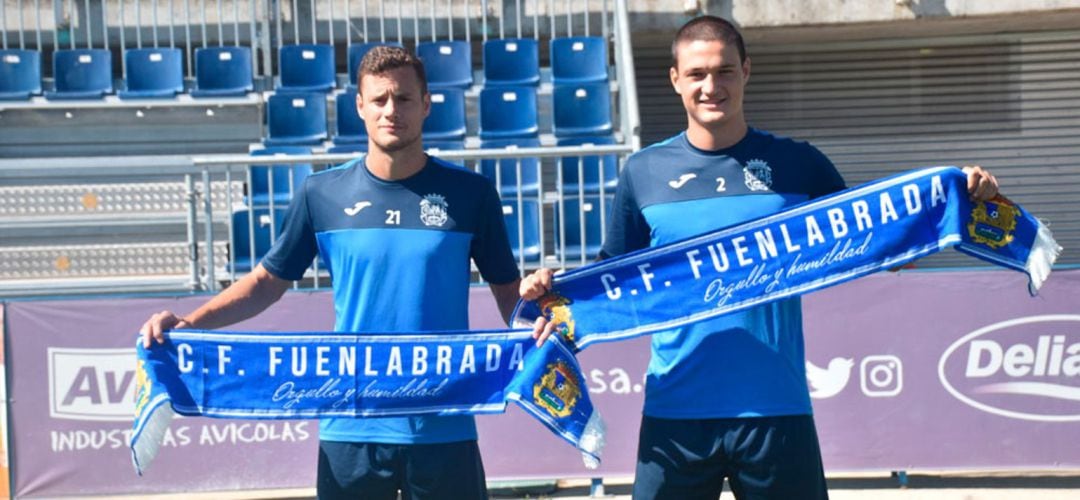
x=881 y=376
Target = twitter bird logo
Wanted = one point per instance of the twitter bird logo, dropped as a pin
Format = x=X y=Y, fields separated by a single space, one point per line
x=828 y=382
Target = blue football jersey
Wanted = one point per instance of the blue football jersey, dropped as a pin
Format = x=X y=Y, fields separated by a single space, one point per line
x=398 y=253
x=749 y=363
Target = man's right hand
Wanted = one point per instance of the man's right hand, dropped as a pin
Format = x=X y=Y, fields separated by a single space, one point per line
x=533 y=287
x=158 y=324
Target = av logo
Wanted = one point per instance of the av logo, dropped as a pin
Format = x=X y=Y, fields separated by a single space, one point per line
x=91 y=384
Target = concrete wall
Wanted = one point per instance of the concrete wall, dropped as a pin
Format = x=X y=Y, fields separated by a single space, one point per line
x=661 y=15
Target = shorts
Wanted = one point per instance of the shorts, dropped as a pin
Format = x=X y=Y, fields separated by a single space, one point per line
x=763 y=458
x=420 y=471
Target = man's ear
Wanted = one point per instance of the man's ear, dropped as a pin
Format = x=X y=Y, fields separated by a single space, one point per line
x=746 y=70
x=673 y=74
x=427 y=103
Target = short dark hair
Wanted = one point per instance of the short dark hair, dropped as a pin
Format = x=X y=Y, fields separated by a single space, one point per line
x=708 y=28
x=384 y=58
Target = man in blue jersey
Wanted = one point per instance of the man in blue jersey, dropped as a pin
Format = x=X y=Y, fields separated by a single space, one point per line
x=724 y=398
x=396 y=229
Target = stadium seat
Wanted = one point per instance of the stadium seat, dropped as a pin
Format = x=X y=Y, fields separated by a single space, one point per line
x=577 y=60
x=81 y=74
x=348 y=148
x=446 y=122
x=523 y=228
x=296 y=119
x=507 y=179
x=356 y=53
x=508 y=112
x=446 y=63
x=261 y=176
x=512 y=61
x=594 y=168
x=445 y=146
x=253 y=225
x=20 y=74
x=350 y=127
x=583 y=109
x=307 y=68
x=571 y=226
x=153 y=73
x=222 y=72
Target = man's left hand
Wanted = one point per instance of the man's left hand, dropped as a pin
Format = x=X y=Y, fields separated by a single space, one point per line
x=982 y=186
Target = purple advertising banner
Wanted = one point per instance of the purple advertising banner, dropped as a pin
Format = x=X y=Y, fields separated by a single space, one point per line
x=920 y=370
x=946 y=370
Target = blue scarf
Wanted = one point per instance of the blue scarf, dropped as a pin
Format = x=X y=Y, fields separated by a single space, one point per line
x=880 y=225
x=817 y=244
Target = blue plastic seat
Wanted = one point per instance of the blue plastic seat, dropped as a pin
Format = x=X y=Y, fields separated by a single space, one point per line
x=296 y=119
x=446 y=63
x=583 y=109
x=580 y=59
x=508 y=112
x=356 y=53
x=597 y=169
x=348 y=148
x=81 y=74
x=446 y=122
x=286 y=179
x=444 y=146
x=350 y=126
x=570 y=226
x=307 y=68
x=20 y=74
x=256 y=225
x=511 y=61
x=153 y=73
x=222 y=72
x=504 y=172
x=523 y=228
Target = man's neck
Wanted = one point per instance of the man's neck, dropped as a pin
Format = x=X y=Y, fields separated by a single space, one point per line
x=396 y=165
x=722 y=137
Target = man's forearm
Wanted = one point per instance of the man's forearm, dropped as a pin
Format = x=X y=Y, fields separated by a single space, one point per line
x=246 y=298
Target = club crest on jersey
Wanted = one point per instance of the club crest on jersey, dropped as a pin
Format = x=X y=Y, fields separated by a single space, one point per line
x=992 y=222
x=433 y=210
x=558 y=390
x=758 y=175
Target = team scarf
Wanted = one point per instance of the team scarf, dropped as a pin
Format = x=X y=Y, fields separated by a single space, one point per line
x=880 y=225
x=825 y=242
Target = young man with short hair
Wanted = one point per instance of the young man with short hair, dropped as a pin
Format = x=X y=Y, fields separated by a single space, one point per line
x=396 y=229
x=727 y=397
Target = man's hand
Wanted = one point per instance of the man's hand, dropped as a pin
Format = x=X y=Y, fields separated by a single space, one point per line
x=981 y=185
x=533 y=287
x=157 y=325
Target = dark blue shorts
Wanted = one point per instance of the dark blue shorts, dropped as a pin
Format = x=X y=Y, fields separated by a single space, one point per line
x=420 y=471
x=763 y=458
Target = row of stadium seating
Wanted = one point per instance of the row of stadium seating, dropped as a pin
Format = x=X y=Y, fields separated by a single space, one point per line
x=582 y=110
x=227 y=71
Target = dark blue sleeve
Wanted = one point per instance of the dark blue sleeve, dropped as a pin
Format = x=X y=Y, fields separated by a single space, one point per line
x=490 y=248
x=627 y=230
x=827 y=179
x=295 y=247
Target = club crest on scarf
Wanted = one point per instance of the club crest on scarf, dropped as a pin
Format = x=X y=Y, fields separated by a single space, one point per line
x=992 y=222
x=557 y=309
x=142 y=387
x=558 y=390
